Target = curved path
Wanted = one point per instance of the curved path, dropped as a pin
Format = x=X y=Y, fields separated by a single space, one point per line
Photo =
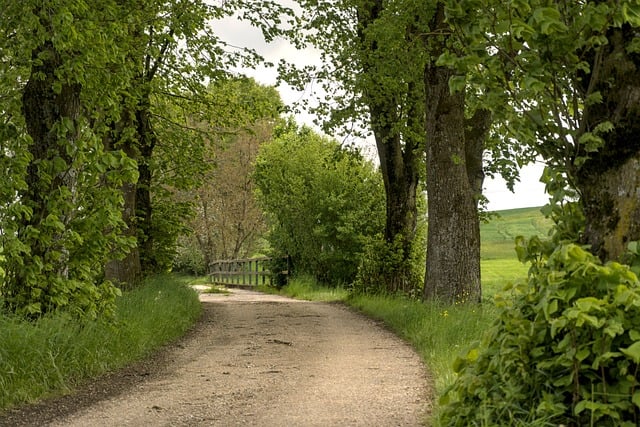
x=257 y=360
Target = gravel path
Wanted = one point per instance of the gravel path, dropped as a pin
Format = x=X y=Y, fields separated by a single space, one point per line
x=257 y=360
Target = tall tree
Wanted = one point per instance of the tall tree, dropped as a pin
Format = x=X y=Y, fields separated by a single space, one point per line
x=455 y=174
x=571 y=72
x=394 y=108
x=60 y=217
x=385 y=57
x=371 y=75
x=227 y=223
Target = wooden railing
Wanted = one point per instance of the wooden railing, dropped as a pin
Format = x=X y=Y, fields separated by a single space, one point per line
x=247 y=272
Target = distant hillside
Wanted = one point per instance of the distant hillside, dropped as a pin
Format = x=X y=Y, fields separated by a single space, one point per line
x=499 y=262
x=499 y=233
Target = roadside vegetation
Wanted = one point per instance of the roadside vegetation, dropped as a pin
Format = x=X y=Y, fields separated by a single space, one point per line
x=53 y=355
x=442 y=332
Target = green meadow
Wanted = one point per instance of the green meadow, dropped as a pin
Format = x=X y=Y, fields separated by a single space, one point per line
x=499 y=262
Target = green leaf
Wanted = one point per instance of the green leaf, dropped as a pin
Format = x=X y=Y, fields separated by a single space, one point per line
x=633 y=351
x=549 y=20
x=636 y=398
x=457 y=84
x=631 y=13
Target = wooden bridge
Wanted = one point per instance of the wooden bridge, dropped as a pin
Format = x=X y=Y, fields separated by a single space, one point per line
x=249 y=271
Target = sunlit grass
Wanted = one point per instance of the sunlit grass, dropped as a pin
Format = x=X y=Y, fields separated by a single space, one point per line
x=305 y=287
x=438 y=332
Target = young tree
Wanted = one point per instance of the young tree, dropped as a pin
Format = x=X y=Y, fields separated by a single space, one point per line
x=323 y=203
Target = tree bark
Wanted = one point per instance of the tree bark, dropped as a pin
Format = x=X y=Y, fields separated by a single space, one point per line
x=144 y=209
x=45 y=110
x=609 y=181
x=125 y=272
x=454 y=183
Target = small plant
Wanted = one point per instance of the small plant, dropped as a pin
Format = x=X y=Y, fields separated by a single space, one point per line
x=565 y=349
x=214 y=289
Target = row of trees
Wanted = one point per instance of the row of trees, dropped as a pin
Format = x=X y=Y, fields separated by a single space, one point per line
x=98 y=101
x=456 y=82
x=101 y=116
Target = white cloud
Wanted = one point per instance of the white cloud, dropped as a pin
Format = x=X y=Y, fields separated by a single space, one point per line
x=528 y=192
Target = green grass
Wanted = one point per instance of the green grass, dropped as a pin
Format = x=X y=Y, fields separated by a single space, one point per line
x=499 y=263
x=305 y=287
x=55 y=354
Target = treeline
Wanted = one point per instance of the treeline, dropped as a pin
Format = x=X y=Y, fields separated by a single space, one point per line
x=110 y=116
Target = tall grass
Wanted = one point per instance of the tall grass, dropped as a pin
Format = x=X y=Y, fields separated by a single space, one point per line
x=54 y=354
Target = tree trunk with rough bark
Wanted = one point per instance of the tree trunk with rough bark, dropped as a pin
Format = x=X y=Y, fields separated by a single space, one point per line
x=454 y=183
x=399 y=154
x=125 y=272
x=609 y=181
x=51 y=120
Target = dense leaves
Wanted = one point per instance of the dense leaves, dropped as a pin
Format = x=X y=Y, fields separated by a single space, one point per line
x=564 y=349
x=562 y=77
x=323 y=203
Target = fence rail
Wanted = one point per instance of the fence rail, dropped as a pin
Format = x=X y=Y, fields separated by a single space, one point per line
x=247 y=272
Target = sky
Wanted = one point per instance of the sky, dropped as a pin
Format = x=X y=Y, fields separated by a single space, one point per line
x=529 y=192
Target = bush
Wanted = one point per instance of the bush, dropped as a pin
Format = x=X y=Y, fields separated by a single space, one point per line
x=189 y=258
x=565 y=349
x=322 y=202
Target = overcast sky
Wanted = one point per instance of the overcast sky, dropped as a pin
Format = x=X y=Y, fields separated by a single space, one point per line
x=528 y=192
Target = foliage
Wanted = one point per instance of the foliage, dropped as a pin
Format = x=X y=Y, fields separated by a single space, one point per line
x=189 y=258
x=322 y=203
x=227 y=223
x=564 y=349
x=383 y=260
x=59 y=204
x=558 y=75
x=55 y=353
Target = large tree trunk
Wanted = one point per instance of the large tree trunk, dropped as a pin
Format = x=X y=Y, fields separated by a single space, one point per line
x=45 y=110
x=454 y=183
x=144 y=209
x=400 y=176
x=125 y=272
x=609 y=181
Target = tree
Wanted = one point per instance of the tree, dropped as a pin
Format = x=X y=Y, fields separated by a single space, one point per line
x=570 y=71
x=323 y=203
x=384 y=56
x=60 y=217
x=455 y=174
x=372 y=83
x=227 y=223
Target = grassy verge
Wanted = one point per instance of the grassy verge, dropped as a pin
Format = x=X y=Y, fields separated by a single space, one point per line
x=53 y=355
x=438 y=333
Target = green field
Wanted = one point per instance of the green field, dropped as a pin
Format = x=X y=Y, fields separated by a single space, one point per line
x=499 y=263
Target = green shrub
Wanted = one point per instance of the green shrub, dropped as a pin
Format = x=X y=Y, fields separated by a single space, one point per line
x=189 y=258
x=565 y=349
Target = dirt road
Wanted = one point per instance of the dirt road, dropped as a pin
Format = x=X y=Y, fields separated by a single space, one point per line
x=257 y=360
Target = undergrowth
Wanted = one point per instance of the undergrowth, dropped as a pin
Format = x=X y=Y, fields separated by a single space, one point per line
x=51 y=356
